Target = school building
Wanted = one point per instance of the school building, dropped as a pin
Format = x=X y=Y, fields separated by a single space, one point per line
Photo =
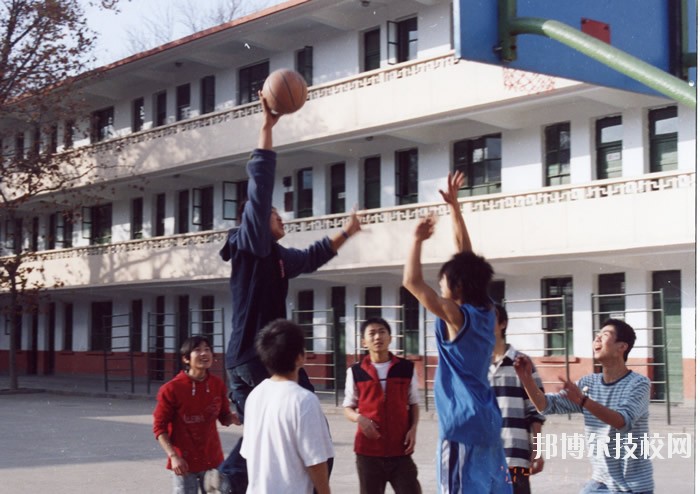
x=582 y=197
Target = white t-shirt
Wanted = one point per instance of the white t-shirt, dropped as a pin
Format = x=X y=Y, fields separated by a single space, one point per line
x=284 y=432
x=382 y=368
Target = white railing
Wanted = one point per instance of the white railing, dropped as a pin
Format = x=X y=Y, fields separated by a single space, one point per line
x=555 y=195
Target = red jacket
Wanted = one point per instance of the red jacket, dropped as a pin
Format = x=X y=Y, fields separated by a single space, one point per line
x=187 y=410
x=390 y=410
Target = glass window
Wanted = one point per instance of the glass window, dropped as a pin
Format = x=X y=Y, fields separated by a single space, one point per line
x=182 y=99
x=557 y=144
x=372 y=182
x=183 y=211
x=663 y=139
x=411 y=321
x=402 y=40
x=160 y=108
x=304 y=193
x=337 y=188
x=136 y=336
x=480 y=161
x=203 y=208
x=208 y=94
x=159 y=222
x=102 y=124
x=611 y=296
x=609 y=147
x=100 y=224
x=373 y=301
x=372 y=51
x=100 y=326
x=305 y=316
x=250 y=81
x=138 y=114
x=407 y=176
x=557 y=314
x=305 y=63
x=137 y=218
x=234 y=195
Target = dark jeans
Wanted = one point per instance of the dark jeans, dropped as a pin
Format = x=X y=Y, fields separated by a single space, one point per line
x=375 y=471
x=242 y=380
x=521 y=480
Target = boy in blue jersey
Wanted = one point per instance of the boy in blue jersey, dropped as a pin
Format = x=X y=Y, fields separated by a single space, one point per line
x=470 y=455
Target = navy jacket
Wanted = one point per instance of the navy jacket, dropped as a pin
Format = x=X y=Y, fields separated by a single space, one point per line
x=260 y=267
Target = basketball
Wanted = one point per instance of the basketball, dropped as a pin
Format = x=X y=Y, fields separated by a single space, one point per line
x=285 y=91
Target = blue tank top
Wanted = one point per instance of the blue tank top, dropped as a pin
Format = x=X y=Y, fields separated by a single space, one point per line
x=467 y=409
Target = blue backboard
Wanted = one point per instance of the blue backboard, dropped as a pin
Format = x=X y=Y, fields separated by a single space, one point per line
x=650 y=30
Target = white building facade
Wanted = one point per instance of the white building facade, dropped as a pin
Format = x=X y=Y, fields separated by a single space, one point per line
x=581 y=197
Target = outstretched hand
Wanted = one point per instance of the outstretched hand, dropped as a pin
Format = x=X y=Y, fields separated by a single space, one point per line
x=271 y=117
x=353 y=225
x=454 y=183
x=523 y=367
x=426 y=227
x=572 y=392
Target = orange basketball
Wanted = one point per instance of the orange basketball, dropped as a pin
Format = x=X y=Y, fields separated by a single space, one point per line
x=285 y=91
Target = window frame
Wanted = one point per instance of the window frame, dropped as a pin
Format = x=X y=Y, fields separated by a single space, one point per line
x=555 y=341
x=183 y=102
x=556 y=155
x=138 y=114
x=207 y=94
x=304 y=63
x=336 y=182
x=406 y=173
x=603 y=149
x=305 y=195
x=102 y=124
x=656 y=141
x=371 y=55
x=250 y=80
x=468 y=166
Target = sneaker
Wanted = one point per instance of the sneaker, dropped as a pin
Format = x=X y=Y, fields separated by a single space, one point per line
x=215 y=482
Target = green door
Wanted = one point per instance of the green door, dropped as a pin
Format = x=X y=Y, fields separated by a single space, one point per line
x=672 y=372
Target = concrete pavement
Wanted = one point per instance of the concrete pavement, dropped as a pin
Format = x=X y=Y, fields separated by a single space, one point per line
x=67 y=435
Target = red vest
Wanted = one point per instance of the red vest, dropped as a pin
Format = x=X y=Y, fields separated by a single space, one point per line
x=389 y=410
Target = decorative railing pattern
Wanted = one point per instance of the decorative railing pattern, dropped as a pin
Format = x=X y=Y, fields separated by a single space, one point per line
x=367 y=79
x=558 y=195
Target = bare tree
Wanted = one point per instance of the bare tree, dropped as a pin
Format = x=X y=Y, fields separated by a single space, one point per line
x=45 y=48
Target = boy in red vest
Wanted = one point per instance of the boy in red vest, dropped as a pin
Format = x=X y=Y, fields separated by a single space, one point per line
x=381 y=396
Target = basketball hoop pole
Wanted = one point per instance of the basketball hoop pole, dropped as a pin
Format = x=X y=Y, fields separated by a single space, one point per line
x=655 y=78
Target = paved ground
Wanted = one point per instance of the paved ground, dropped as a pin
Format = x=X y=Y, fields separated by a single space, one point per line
x=74 y=438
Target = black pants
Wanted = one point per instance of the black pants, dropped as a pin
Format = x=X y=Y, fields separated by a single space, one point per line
x=376 y=471
x=521 y=480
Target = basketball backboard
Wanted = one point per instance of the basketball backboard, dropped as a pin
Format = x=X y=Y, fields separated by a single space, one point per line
x=649 y=30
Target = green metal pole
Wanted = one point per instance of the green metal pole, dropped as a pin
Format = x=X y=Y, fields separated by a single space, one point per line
x=614 y=58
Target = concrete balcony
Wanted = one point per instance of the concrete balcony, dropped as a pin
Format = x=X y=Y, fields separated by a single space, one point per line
x=618 y=218
x=370 y=102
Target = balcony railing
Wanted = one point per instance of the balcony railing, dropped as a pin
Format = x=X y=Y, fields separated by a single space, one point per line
x=554 y=195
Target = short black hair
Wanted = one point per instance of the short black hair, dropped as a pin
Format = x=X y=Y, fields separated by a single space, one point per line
x=501 y=317
x=374 y=320
x=191 y=343
x=623 y=333
x=470 y=274
x=279 y=344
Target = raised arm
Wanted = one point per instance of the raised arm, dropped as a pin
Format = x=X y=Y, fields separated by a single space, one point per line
x=413 y=281
x=269 y=121
x=350 y=228
x=462 y=240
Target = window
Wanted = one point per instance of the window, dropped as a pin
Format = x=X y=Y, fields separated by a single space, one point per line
x=182 y=319
x=611 y=296
x=372 y=177
x=182 y=101
x=663 y=139
x=53 y=139
x=305 y=193
x=160 y=108
x=102 y=124
x=497 y=291
x=557 y=314
x=136 y=336
x=407 y=176
x=68 y=134
x=373 y=301
x=34 y=238
x=60 y=231
x=250 y=81
x=19 y=145
x=208 y=94
x=13 y=230
x=480 y=161
x=67 y=327
x=138 y=114
x=159 y=223
x=557 y=154
x=372 y=50
x=137 y=218
x=36 y=141
x=609 y=147
x=411 y=318
x=183 y=211
x=207 y=314
x=305 y=316
x=402 y=40
x=338 y=188
x=235 y=195
x=305 y=63
x=100 y=326
x=203 y=208
x=97 y=224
